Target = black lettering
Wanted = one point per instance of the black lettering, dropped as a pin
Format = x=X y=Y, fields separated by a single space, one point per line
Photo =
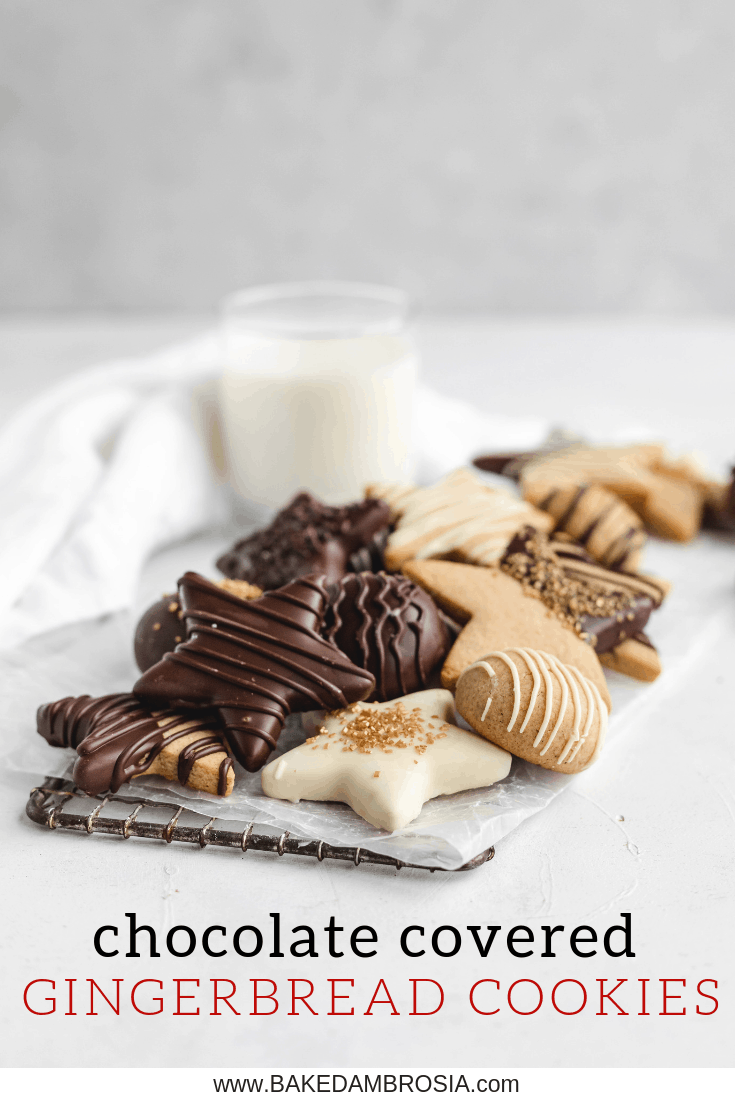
x=170 y=941
x=625 y=928
x=370 y=938
x=205 y=941
x=258 y=941
x=435 y=941
x=549 y=932
x=331 y=930
x=576 y=938
x=404 y=941
x=134 y=931
x=97 y=939
x=484 y=949
x=514 y=935
x=275 y=915
x=308 y=941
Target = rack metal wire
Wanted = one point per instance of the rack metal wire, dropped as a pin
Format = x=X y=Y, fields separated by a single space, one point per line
x=46 y=807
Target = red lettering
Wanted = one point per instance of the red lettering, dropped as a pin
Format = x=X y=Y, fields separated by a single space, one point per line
x=159 y=1000
x=223 y=998
x=301 y=998
x=441 y=997
x=71 y=1012
x=472 y=1000
x=706 y=996
x=540 y=997
x=178 y=1012
x=602 y=1013
x=92 y=1013
x=257 y=997
x=643 y=1013
x=335 y=996
x=556 y=988
x=49 y=999
x=667 y=997
x=375 y=1000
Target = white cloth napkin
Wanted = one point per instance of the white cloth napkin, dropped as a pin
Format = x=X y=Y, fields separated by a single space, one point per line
x=103 y=469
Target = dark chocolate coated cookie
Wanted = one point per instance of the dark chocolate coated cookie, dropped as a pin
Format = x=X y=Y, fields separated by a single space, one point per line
x=389 y=626
x=306 y=537
x=159 y=630
x=254 y=662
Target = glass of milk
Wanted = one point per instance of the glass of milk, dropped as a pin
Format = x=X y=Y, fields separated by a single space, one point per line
x=317 y=390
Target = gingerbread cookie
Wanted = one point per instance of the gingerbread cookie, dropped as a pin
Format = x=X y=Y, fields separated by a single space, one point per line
x=460 y=517
x=161 y=627
x=308 y=537
x=604 y=607
x=498 y=615
x=540 y=709
x=386 y=760
x=387 y=625
x=663 y=492
x=635 y=657
x=117 y=738
x=254 y=662
x=719 y=512
x=612 y=533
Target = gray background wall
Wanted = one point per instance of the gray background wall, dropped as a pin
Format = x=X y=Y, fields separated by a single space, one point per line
x=505 y=155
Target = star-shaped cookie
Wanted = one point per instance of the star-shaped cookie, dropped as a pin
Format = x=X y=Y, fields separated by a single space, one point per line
x=498 y=616
x=386 y=760
x=459 y=516
x=254 y=661
x=117 y=738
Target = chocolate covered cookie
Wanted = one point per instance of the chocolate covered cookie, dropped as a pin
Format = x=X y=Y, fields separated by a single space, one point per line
x=719 y=511
x=254 y=662
x=308 y=537
x=161 y=627
x=159 y=630
x=387 y=625
x=603 y=606
x=117 y=738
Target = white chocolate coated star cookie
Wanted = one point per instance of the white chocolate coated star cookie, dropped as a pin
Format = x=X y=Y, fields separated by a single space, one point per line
x=386 y=760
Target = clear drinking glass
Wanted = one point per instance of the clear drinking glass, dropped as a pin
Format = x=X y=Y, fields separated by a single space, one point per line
x=317 y=389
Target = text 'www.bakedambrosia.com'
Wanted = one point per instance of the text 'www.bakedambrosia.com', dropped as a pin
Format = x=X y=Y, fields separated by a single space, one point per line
x=375 y=1083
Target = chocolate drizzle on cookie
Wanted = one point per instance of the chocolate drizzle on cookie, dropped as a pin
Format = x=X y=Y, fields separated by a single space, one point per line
x=389 y=626
x=599 y=520
x=306 y=537
x=603 y=606
x=254 y=662
x=116 y=739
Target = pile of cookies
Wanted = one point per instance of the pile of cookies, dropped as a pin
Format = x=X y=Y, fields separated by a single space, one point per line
x=383 y=619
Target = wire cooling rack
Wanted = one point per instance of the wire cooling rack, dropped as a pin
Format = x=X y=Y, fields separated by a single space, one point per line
x=46 y=807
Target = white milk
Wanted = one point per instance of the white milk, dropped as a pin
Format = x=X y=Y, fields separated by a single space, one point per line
x=325 y=415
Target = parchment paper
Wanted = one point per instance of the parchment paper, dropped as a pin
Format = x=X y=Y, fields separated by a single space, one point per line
x=95 y=657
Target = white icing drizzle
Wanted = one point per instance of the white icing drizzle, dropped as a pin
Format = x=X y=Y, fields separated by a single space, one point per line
x=533 y=667
x=558 y=669
x=549 y=688
x=457 y=511
x=491 y=673
x=575 y=739
x=584 y=707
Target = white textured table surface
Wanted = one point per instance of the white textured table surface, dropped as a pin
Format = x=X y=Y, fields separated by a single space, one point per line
x=649 y=830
